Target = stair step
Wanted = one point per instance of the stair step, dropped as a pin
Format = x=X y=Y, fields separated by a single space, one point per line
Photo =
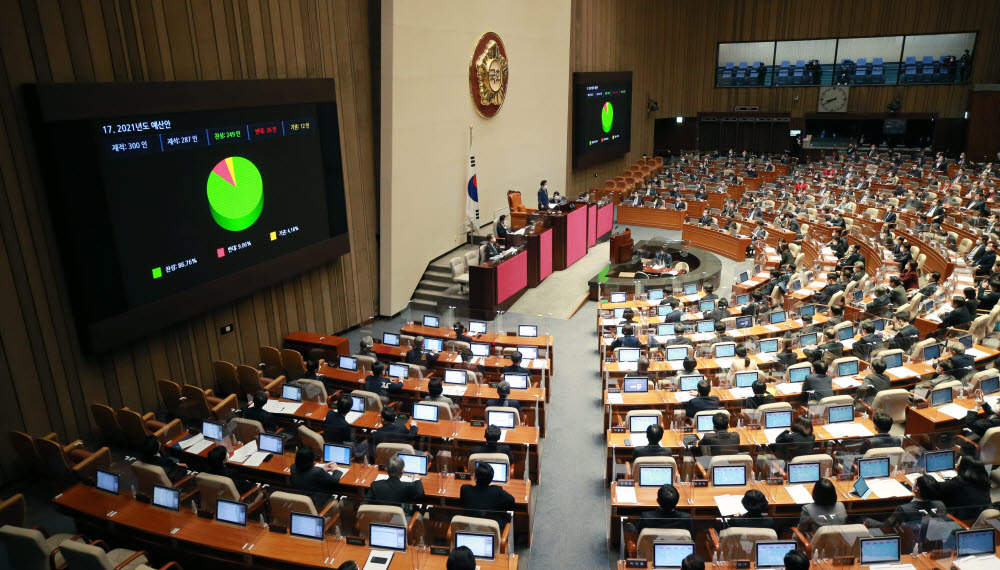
x=431 y=285
x=437 y=276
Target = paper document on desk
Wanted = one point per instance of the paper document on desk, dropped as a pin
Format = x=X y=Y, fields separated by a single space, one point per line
x=982 y=562
x=702 y=337
x=519 y=232
x=804 y=292
x=352 y=417
x=843 y=430
x=186 y=443
x=789 y=388
x=901 y=372
x=954 y=410
x=276 y=407
x=772 y=328
x=799 y=494
x=384 y=476
x=848 y=343
x=664 y=339
x=683 y=397
x=891 y=567
x=454 y=390
x=772 y=434
x=691 y=298
x=846 y=381
x=625 y=495
x=200 y=446
x=503 y=434
x=730 y=505
x=616 y=399
x=256 y=459
x=766 y=357
x=741 y=392
x=240 y=455
x=941 y=475
x=888 y=488
x=628 y=366
x=975 y=353
x=725 y=363
x=993 y=401
x=675 y=364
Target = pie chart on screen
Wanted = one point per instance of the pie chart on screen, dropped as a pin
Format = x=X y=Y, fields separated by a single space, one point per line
x=235 y=193
x=607 y=116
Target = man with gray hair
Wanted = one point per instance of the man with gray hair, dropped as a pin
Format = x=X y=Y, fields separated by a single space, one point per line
x=394 y=491
x=503 y=397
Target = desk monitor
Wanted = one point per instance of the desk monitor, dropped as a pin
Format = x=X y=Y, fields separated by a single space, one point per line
x=619 y=297
x=778 y=317
x=166 y=498
x=455 y=376
x=706 y=423
x=480 y=349
x=391 y=339
x=665 y=329
x=690 y=288
x=270 y=443
x=795 y=285
x=664 y=310
x=746 y=379
x=778 y=419
x=414 y=464
x=803 y=472
x=477 y=327
x=433 y=344
x=729 y=475
x=655 y=475
x=932 y=351
x=858 y=294
x=516 y=380
x=499 y=471
x=689 y=383
x=655 y=294
x=500 y=418
x=935 y=461
x=628 y=354
x=840 y=414
x=873 y=468
x=893 y=360
x=705 y=326
x=527 y=330
x=990 y=385
x=744 y=322
x=399 y=371
x=431 y=321
x=232 y=512
x=293 y=393
x=771 y=553
x=425 y=412
x=480 y=543
x=671 y=554
x=305 y=525
x=965 y=339
x=929 y=306
x=768 y=345
x=357 y=403
x=745 y=276
x=528 y=352
x=725 y=350
x=638 y=424
x=619 y=313
x=879 y=324
x=941 y=396
x=348 y=363
x=807 y=339
x=706 y=305
x=635 y=384
x=807 y=310
x=845 y=333
x=879 y=550
x=387 y=536
x=848 y=368
x=339 y=454
x=107 y=481
x=742 y=300
x=676 y=353
x=211 y=430
x=972 y=542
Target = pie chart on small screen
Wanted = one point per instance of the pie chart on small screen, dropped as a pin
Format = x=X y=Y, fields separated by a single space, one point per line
x=607 y=116
x=235 y=193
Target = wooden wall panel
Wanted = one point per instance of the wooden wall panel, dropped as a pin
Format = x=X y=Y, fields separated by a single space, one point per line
x=671 y=46
x=46 y=381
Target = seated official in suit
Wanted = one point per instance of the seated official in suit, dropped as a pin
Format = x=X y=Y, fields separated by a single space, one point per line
x=819 y=384
x=492 y=445
x=312 y=477
x=259 y=414
x=926 y=502
x=492 y=248
x=501 y=228
x=760 y=396
x=215 y=464
x=825 y=510
x=721 y=441
x=503 y=399
x=460 y=335
x=150 y=455
x=874 y=383
x=756 y=516
x=515 y=365
x=417 y=354
x=627 y=340
x=967 y=493
x=335 y=426
x=654 y=434
x=379 y=384
x=435 y=393
x=394 y=491
x=485 y=500
x=667 y=516
x=796 y=441
x=391 y=431
x=958 y=316
x=702 y=402
x=883 y=423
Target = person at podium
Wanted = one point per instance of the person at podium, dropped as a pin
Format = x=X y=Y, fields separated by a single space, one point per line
x=543 y=195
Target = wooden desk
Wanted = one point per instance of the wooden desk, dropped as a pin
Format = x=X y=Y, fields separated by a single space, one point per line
x=304 y=341
x=717 y=242
x=667 y=219
x=497 y=285
x=931 y=420
x=569 y=237
x=501 y=339
x=187 y=535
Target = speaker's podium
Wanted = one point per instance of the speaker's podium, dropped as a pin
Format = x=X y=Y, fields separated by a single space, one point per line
x=621 y=247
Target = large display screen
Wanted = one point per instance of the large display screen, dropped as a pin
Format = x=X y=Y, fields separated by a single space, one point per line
x=602 y=116
x=172 y=198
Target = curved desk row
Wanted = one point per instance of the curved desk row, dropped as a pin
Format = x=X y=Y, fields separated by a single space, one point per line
x=734 y=248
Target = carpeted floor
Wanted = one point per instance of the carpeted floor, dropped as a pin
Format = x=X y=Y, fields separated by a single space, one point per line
x=561 y=293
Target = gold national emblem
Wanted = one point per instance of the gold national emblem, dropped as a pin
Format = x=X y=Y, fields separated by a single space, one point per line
x=488 y=75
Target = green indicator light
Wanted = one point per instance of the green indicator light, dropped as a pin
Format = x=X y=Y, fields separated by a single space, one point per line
x=607 y=116
x=157 y=272
x=235 y=193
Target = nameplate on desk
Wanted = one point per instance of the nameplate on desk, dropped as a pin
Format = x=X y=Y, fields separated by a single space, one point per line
x=494 y=385
x=775 y=481
x=463 y=476
x=688 y=429
x=699 y=482
x=355 y=541
x=843 y=561
x=636 y=563
x=440 y=551
x=753 y=426
x=741 y=563
x=277 y=528
x=477 y=423
x=614 y=391
x=203 y=514
x=402 y=416
x=625 y=483
x=845 y=476
x=617 y=429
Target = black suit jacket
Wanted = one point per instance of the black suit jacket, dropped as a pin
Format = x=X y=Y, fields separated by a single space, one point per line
x=819 y=384
x=957 y=317
x=508 y=403
x=700 y=404
x=490 y=502
x=393 y=491
x=880 y=440
x=492 y=250
x=336 y=429
x=650 y=451
x=721 y=443
x=394 y=433
x=905 y=337
x=314 y=480
x=491 y=447
x=660 y=518
x=791 y=444
x=750 y=521
x=263 y=416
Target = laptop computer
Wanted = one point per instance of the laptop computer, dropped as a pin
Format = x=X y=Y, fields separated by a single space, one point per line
x=305 y=525
x=339 y=454
x=705 y=423
x=880 y=550
x=771 y=553
x=628 y=354
x=798 y=374
x=690 y=288
x=391 y=339
x=848 y=368
x=671 y=554
x=742 y=299
x=107 y=481
x=399 y=371
x=803 y=472
x=990 y=385
x=293 y=393
x=706 y=305
x=937 y=461
x=528 y=352
x=166 y=497
x=768 y=345
x=347 y=363
x=655 y=294
x=211 y=430
x=893 y=360
x=675 y=353
x=807 y=339
x=941 y=396
x=975 y=541
x=665 y=329
x=932 y=351
x=705 y=326
x=270 y=443
x=778 y=317
x=480 y=543
x=232 y=512
x=845 y=333
x=499 y=471
x=807 y=310
x=744 y=322
x=745 y=276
